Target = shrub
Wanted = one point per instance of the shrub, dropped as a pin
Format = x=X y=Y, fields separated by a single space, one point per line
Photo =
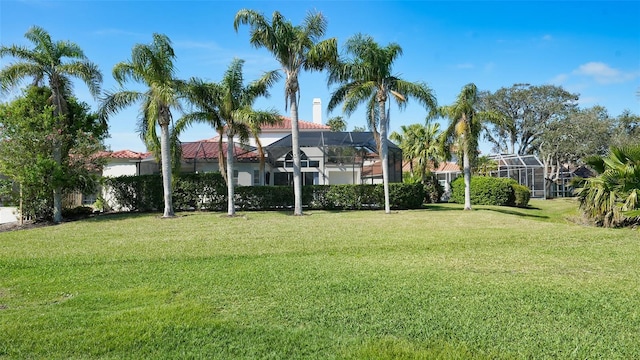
x=522 y=195
x=77 y=212
x=486 y=191
x=432 y=191
x=209 y=192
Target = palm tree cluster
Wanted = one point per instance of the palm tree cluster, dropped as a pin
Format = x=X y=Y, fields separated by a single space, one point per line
x=56 y=62
x=362 y=75
x=612 y=198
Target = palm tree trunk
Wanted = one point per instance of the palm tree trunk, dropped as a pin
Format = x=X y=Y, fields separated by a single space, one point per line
x=231 y=203
x=295 y=145
x=261 y=156
x=221 y=160
x=166 y=170
x=384 y=156
x=466 y=169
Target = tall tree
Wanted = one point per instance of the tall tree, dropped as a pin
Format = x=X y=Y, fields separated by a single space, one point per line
x=626 y=130
x=526 y=111
x=29 y=133
x=296 y=48
x=56 y=62
x=228 y=105
x=151 y=65
x=420 y=144
x=367 y=77
x=465 y=125
x=569 y=139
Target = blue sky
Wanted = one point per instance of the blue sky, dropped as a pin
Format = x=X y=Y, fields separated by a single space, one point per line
x=591 y=48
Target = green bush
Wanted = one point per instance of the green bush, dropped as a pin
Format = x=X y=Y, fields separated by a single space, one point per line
x=491 y=191
x=77 y=212
x=209 y=192
x=432 y=191
x=522 y=195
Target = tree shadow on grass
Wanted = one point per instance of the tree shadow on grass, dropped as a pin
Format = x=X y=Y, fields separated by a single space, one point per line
x=514 y=212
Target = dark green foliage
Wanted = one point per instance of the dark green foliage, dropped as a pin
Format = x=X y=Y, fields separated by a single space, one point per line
x=406 y=196
x=264 y=197
x=199 y=191
x=522 y=195
x=491 y=191
x=208 y=192
x=78 y=212
x=28 y=138
x=136 y=193
x=432 y=190
x=8 y=193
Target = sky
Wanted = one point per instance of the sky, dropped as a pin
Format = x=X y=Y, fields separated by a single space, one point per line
x=591 y=48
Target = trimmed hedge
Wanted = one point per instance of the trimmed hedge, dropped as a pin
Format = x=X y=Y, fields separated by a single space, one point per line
x=491 y=191
x=209 y=192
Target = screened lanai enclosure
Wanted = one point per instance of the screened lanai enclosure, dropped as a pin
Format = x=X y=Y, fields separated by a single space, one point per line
x=528 y=170
x=333 y=158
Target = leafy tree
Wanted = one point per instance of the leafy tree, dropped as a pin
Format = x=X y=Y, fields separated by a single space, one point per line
x=56 y=62
x=296 y=48
x=367 y=77
x=30 y=132
x=337 y=123
x=230 y=103
x=466 y=122
x=526 y=110
x=569 y=139
x=626 y=130
x=612 y=197
x=151 y=65
x=359 y=129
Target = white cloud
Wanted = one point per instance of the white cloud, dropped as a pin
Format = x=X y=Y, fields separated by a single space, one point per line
x=547 y=37
x=603 y=73
x=559 y=79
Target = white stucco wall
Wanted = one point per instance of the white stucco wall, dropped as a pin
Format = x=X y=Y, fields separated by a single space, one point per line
x=113 y=169
x=8 y=214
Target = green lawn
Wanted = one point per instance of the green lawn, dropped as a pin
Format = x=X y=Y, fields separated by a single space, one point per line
x=434 y=283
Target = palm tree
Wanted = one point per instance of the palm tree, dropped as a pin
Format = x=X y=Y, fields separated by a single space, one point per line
x=151 y=65
x=296 y=48
x=367 y=77
x=227 y=105
x=465 y=125
x=421 y=143
x=46 y=61
x=255 y=127
x=612 y=197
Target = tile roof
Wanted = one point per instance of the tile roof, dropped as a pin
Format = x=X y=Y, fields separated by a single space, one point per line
x=124 y=154
x=302 y=125
x=208 y=149
x=443 y=167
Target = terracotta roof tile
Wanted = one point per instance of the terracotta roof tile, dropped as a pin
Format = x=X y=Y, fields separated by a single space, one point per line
x=208 y=149
x=302 y=125
x=124 y=154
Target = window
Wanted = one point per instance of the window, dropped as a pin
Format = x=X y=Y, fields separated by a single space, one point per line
x=235 y=177
x=308 y=178
x=256 y=177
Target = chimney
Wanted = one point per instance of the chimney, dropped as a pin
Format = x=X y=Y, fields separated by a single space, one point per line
x=317 y=111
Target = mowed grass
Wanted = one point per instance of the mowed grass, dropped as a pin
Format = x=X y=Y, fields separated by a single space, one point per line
x=438 y=283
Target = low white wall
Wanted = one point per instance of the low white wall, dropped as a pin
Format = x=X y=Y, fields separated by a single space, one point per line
x=8 y=214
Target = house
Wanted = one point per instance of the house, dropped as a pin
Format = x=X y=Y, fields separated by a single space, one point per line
x=326 y=157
